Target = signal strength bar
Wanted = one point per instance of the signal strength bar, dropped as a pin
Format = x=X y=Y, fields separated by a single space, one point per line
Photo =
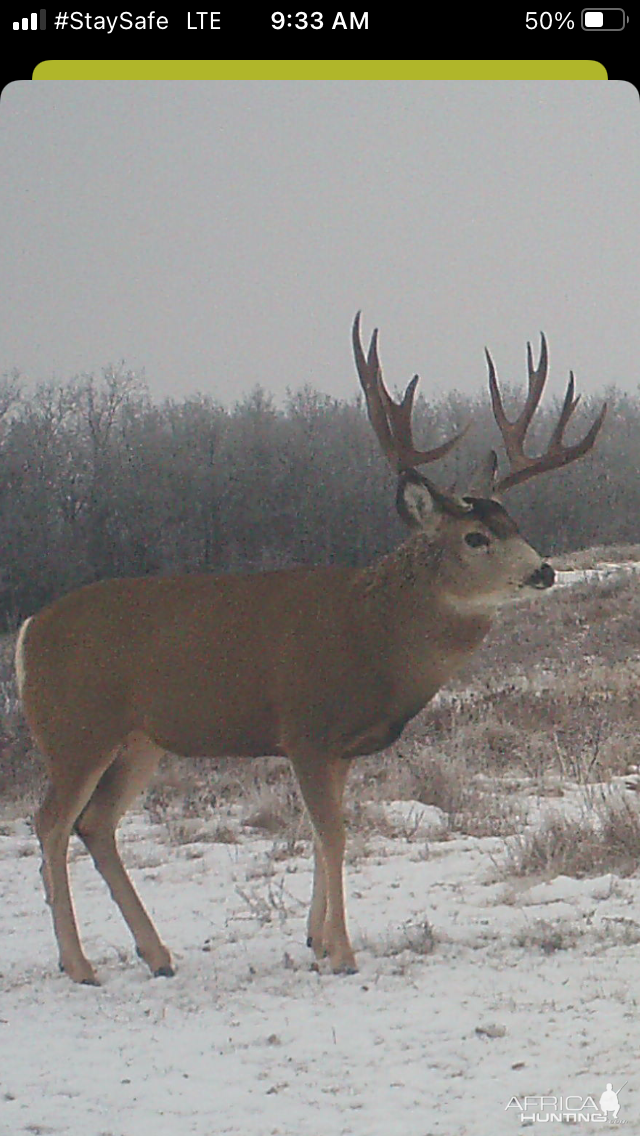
x=31 y=23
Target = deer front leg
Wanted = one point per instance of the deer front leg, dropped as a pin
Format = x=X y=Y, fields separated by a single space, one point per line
x=318 y=908
x=322 y=784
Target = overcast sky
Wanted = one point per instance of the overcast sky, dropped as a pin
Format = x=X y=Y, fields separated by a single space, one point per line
x=218 y=235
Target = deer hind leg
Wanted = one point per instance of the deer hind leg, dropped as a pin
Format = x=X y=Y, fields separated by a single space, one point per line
x=136 y=761
x=322 y=787
x=66 y=797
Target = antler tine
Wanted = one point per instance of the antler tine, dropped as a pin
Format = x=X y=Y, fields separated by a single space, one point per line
x=371 y=382
x=537 y=379
x=391 y=420
x=568 y=408
x=513 y=433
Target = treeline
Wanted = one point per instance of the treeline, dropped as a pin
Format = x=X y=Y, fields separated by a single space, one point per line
x=97 y=480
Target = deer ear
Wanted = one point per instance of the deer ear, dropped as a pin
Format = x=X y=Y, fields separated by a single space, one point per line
x=483 y=481
x=420 y=503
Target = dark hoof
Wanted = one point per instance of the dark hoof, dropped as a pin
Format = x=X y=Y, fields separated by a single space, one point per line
x=325 y=952
x=89 y=980
x=164 y=972
x=345 y=968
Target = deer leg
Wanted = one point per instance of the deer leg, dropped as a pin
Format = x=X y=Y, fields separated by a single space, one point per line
x=137 y=760
x=322 y=787
x=318 y=908
x=54 y=822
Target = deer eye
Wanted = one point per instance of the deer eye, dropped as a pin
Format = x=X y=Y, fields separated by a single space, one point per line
x=476 y=539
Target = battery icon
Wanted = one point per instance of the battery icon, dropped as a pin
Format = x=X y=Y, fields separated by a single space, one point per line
x=603 y=19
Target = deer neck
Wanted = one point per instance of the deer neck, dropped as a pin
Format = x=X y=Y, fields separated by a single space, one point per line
x=428 y=631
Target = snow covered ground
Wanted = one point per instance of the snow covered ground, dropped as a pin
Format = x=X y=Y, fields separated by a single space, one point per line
x=604 y=571
x=476 y=990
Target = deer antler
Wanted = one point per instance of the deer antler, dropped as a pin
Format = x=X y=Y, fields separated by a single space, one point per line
x=391 y=420
x=513 y=433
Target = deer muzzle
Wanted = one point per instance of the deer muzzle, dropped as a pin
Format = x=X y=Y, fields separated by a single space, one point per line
x=543 y=577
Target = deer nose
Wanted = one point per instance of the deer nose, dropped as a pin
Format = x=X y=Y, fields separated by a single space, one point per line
x=543 y=577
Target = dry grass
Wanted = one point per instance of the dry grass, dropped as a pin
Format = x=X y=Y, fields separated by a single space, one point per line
x=411 y=938
x=606 y=838
x=216 y=800
x=441 y=775
x=547 y=937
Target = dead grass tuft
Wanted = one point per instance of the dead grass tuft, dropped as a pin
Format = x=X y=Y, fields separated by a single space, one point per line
x=416 y=937
x=219 y=798
x=605 y=839
x=546 y=937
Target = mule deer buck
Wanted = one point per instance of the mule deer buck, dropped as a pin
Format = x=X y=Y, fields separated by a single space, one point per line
x=319 y=664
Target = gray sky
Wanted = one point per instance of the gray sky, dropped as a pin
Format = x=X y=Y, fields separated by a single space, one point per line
x=222 y=234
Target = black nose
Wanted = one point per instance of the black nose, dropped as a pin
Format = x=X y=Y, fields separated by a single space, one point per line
x=543 y=577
